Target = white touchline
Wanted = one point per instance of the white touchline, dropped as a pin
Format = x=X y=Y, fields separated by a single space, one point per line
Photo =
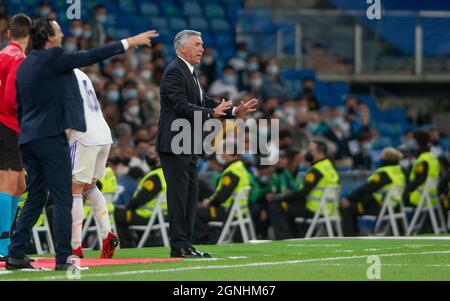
x=233 y=266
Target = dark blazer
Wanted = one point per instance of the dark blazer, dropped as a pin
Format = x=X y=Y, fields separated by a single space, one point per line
x=48 y=97
x=180 y=98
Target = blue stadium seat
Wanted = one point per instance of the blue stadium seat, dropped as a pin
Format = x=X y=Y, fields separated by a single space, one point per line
x=208 y=40
x=170 y=9
x=177 y=24
x=159 y=23
x=219 y=25
x=225 y=40
x=191 y=8
x=198 y=23
x=149 y=9
x=214 y=11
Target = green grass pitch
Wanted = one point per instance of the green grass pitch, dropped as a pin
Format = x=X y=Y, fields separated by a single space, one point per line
x=315 y=259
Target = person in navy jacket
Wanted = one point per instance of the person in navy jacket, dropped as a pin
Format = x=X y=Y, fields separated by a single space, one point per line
x=48 y=104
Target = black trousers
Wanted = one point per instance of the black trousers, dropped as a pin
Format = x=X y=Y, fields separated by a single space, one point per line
x=203 y=234
x=48 y=166
x=367 y=205
x=180 y=172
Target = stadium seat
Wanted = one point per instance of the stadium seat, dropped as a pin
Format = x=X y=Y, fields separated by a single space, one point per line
x=219 y=25
x=198 y=23
x=157 y=216
x=388 y=214
x=322 y=217
x=149 y=9
x=159 y=23
x=214 y=11
x=177 y=24
x=170 y=9
x=191 y=8
x=43 y=226
x=426 y=206
x=238 y=216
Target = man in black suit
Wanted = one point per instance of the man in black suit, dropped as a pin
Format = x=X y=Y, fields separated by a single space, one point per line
x=49 y=103
x=181 y=96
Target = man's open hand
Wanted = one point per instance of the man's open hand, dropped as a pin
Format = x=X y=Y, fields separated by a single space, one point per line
x=246 y=107
x=219 y=111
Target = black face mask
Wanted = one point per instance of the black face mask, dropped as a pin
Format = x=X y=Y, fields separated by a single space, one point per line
x=279 y=170
x=126 y=161
x=309 y=157
x=115 y=160
x=150 y=161
x=302 y=124
x=435 y=142
x=351 y=111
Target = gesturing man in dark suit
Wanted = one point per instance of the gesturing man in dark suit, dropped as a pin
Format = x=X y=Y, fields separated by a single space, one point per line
x=181 y=96
x=49 y=103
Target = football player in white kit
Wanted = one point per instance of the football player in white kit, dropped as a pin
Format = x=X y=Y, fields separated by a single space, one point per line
x=89 y=152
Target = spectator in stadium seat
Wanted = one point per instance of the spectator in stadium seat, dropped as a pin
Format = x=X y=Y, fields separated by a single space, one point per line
x=255 y=84
x=226 y=85
x=367 y=199
x=435 y=146
x=98 y=25
x=208 y=66
x=126 y=185
x=272 y=83
x=307 y=91
x=4 y=24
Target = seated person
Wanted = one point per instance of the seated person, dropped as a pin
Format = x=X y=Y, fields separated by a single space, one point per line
x=234 y=178
x=367 y=199
x=284 y=208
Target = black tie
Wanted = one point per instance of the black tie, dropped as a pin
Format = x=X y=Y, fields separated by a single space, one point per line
x=194 y=74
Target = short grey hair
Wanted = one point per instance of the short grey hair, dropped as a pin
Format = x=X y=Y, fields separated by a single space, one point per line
x=182 y=36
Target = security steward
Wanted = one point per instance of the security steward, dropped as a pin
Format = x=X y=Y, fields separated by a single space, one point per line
x=140 y=208
x=367 y=199
x=284 y=208
x=425 y=168
x=234 y=178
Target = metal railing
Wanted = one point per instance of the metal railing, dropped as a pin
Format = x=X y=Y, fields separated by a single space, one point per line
x=403 y=43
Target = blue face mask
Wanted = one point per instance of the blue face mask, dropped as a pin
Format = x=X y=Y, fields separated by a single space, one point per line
x=229 y=80
x=71 y=47
x=248 y=157
x=312 y=127
x=44 y=12
x=118 y=72
x=87 y=34
x=241 y=54
x=101 y=18
x=253 y=66
x=112 y=96
x=338 y=122
x=367 y=146
x=130 y=94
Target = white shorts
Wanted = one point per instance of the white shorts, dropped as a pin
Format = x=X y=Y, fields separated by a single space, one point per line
x=88 y=162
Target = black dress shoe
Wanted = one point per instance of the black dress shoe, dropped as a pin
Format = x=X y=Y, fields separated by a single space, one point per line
x=182 y=253
x=63 y=267
x=18 y=264
x=200 y=254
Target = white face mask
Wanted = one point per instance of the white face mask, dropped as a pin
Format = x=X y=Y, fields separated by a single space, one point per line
x=150 y=95
x=134 y=110
x=146 y=74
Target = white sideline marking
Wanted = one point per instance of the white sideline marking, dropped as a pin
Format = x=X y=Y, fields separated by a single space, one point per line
x=235 y=266
x=438 y=265
x=314 y=245
x=344 y=251
x=375 y=238
x=237 y=257
x=5 y=272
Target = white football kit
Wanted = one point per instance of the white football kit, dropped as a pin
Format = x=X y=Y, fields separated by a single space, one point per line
x=89 y=150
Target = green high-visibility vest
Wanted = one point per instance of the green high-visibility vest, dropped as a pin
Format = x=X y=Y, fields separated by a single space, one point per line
x=238 y=169
x=433 y=172
x=398 y=179
x=147 y=210
x=330 y=179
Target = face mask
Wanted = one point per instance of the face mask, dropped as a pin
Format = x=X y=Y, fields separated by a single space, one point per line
x=115 y=160
x=308 y=157
x=118 y=72
x=220 y=159
x=87 y=34
x=241 y=54
x=303 y=109
x=338 y=122
x=126 y=161
x=150 y=95
x=253 y=66
x=367 y=146
x=101 y=18
x=145 y=57
x=250 y=158
x=134 y=111
x=256 y=83
x=307 y=90
x=264 y=179
x=208 y=60
x=291 y=111
x=273 y=70
x=146 y=74
x=130 y=94
x=77 y=31
x=312 y=127
x=44 y=12
x=229 y=80
x=151 y=162
x=71 y=47
x=410 y=143
x=435 y=142
x=112 y=96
